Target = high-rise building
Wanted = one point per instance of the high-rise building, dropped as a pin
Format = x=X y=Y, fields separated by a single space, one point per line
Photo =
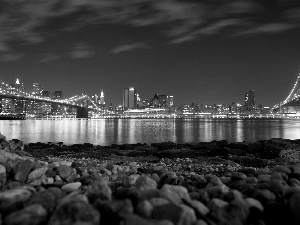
x=37 y=89
x=57 y=95
x=170 y=101
x=250 y=100
x=46 y=94
x=17 y=87
x=101 y=100
x=129 y=98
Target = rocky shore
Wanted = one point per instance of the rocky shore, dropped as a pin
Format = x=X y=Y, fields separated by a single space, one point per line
x=162 y=183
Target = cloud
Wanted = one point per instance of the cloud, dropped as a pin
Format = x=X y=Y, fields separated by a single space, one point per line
x=6 y=57
x=180 y=20
x=81 y=50
x=128 y=47
x=49 y=57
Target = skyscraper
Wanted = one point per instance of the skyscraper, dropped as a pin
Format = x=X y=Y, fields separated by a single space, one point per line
x=250 y=100
x=37 y=89
x=129 y=98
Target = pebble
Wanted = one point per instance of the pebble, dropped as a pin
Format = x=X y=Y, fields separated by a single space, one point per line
x=144 y=183
x=70 y=187
x=64 y=171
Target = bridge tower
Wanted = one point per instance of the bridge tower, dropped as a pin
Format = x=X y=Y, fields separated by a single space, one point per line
x=292 y=102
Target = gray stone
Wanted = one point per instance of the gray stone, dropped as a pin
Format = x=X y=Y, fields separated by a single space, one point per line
x=145 y=183
x=174 y=193
x=158 y=201
x=282 y=169
x=75 y=210
x=217 y=191
x=263 y=178
x=99 y=190
x=34 y=214
x=22 y=170
x=238 y=176
x=70 y=187
x=64 y=171
x=155 y=177
x=199 y=208
x=254 y=203
x=36 y=174
x=144 y=209
x=178 y=214
x=12 y=199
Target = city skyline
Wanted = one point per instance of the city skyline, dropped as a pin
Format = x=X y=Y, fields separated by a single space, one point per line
x=208 y=52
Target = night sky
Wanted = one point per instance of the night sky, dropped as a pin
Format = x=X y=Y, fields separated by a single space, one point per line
x=210 y=51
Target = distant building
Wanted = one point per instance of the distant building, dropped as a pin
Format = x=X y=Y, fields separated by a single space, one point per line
x=170 y=101
x=161 y=101
x=129 y=98
x=46 y=94
x=37 y=89
x=57 y=95
x=17 y=87
x=250 y=100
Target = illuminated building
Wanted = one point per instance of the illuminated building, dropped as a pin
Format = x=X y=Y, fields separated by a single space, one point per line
x=17 y=105
x=101 y=100
x=46 y=94
x=37 y=89
x=129 y=98
x=170 y=101
x=57 y=95
x=250 y=100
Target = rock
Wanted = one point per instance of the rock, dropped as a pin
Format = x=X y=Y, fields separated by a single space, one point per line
x=31 y=215
x=217 y=191
x=133 y=178
x=58 y=183
x=47 y=198
x=13 y=184
x=158 y=201
x=215 y=180
x=112 y=212
x=99 y=190
x=263 y=178
x=178 y=214
x=264 y=195
x=251 y=180
x=282 y=169
x=215 y=205
x=174 y=193
x=50 y=173
x=64 y=171
x=70 y=187
x=253 y=203
x=2 y=175
x=199 y=208
x=75 y=210
x=22 y=170
x=145 y=183
x=261 y=171
x=155 y=177
x=238 y=176
x=36 y=174
x=144 y=208
x=14 y=199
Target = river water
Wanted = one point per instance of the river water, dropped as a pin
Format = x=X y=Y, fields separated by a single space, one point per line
x=120 y=131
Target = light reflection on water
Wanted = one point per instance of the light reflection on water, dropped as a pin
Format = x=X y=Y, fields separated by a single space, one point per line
x=121 y=131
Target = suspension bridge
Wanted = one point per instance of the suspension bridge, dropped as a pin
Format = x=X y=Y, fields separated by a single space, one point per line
x=291 y=105
x=79 y=106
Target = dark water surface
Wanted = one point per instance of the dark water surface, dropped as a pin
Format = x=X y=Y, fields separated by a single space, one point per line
x=121 y=131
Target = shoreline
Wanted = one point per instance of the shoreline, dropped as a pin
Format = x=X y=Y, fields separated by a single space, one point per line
x=162 y=183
